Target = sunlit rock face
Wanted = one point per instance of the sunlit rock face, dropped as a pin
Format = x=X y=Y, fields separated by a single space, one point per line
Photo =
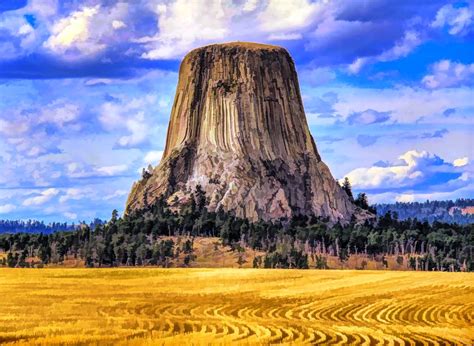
x=239 y=130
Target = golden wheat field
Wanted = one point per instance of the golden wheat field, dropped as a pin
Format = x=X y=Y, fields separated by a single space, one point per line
x=242 y=306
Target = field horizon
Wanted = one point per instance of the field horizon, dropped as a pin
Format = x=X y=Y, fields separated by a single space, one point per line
x=243 y=306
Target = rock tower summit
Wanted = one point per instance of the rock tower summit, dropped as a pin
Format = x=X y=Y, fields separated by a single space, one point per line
x=239 y=130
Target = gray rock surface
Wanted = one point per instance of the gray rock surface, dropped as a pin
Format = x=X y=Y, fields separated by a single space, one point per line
x=239 y=130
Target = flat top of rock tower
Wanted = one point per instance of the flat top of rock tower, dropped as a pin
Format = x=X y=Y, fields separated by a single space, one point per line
x=241 y=45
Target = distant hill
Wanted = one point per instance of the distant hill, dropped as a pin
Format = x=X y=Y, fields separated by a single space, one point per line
x=460 y=211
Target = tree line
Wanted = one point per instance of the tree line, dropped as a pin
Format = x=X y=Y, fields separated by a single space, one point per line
x=144 y=238
x=35 y=226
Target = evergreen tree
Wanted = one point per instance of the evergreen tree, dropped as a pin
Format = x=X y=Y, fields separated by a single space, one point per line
x=347 y=187
x=362 y=201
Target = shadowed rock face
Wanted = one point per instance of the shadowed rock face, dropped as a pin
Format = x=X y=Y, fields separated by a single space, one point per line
x=239 y=130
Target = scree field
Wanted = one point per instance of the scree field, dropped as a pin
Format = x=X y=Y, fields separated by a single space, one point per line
x=242 y=306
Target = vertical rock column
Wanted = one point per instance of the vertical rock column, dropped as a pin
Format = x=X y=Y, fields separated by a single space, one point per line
x=239 y=130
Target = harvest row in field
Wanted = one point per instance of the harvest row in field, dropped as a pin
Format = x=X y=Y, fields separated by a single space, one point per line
x=234 y=305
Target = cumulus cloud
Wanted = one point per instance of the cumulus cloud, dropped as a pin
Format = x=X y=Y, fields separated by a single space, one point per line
x=87 y=31
x=112 y=170
x=416 y=196
x=118 y=24
x=202 y=23
x=18 y=37
x=405 y=198
x=411 y=39
x=74 y=32
x=153 y=157
x=402 y=104
x=138 y=131
x=7 y=208
x=128 y=116
x=80 y=170
x=35 y=130
x=285 y=37
x=41 y=198
x=70 y=215
x=401 y=48
x=446 y=73
x=15 y=127
x=116 y=194
x=416 y=170
x=283 y=15
x=461 y=162
x=74 y=194
x=273 y=20
x=42 y=8
x=59 y=113
x=109 y=31
x=458 y=20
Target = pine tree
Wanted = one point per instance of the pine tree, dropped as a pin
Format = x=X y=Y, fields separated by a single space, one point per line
x=362 y=201
x=346 y=186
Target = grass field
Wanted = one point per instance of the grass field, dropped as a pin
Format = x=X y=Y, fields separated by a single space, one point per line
x=245 y=306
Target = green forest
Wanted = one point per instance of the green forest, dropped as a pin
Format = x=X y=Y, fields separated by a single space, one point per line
x=137 y=239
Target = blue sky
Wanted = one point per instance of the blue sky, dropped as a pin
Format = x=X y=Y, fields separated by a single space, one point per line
x=87 y=87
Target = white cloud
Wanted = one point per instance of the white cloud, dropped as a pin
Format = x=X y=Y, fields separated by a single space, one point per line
x=112 y=170
x=87 y=31
x=74 y=194
x=458 y=20
x=21 y=32
x=250 y=5
x=402 y=48
x=42 y=198
x=74 y=31
x=285 y=37
x=7 y=208
x=413 y=169
x=415 y=196
x=59 y=113
x=138 y=131
x=79 y=170
x=446 y=73
x=184 y=22
x=461 y=162
x=405 y=104
x=43 y=8
x=69 y=215
x=118 y=24
x=405 y=198
x=153 y=157
x=283 y=15
x=128 y=116
x=116 y=194
x=357 y=65
x=13 y=128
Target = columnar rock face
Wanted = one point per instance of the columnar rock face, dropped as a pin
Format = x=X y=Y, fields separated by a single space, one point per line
x=239 y=130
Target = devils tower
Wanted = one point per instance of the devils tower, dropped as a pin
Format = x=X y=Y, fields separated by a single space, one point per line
x=238 y=129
